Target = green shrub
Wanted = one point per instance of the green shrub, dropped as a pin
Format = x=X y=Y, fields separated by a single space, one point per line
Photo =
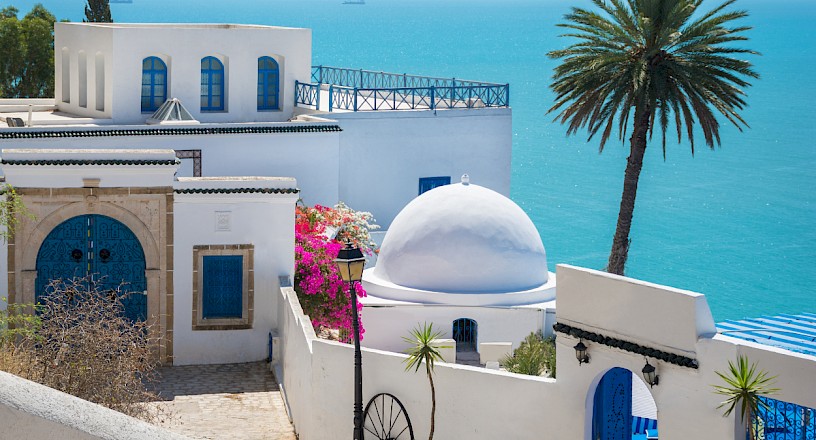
x=534 y=356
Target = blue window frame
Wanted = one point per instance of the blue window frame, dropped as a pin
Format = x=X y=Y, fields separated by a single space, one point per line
x=212 y=85
x=222 y=290
x=268 y=84
x=154 y=84
x=429 y=183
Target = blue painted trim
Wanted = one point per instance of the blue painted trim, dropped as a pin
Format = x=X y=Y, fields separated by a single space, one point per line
x=212 y=85
x=154 y=84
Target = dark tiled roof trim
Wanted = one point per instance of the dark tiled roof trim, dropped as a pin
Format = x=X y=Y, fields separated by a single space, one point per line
x=30 y=134
x=91 y=162
x=238 y=191
x=654 y=353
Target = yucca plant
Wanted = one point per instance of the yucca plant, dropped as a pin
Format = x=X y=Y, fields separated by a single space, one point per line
x=744 y=387
x=532 y=357
x=422 y=351
x=655 y=61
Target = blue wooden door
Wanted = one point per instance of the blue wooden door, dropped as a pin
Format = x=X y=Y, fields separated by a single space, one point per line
x=99 y=247
x=612 y=410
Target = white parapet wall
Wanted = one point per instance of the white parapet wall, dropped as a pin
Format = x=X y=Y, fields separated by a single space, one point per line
x=29 y=410
x=447 y=349
x=494 y=351
x=317 y=375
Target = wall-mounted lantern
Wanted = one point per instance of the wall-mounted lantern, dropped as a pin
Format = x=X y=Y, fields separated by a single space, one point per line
x=581 y=352
x=650 y=374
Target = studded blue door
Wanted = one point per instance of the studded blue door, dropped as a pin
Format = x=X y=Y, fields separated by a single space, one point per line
x=100 y=247
x=612 y=412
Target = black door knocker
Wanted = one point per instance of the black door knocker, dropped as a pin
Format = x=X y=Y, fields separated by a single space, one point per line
x=105 y=255
x=76 y=255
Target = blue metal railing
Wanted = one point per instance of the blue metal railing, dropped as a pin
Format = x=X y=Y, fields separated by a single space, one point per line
x=365 y=90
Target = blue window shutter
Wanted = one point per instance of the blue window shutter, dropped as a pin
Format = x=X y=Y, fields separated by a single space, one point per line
x=222 y=290
x=429 y=183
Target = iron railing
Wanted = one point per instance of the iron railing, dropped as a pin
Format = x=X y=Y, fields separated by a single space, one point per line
x=365 y=90
x=784 y=421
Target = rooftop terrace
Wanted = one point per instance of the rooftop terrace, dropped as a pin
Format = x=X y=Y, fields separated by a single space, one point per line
x=336 y=89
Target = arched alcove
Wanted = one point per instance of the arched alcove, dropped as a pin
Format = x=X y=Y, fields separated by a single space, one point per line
x=620 y=406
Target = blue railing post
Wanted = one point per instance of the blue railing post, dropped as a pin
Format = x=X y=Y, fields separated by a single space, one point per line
x=355 y=96
x=320 y=73
x=361 y=80
x=331 y=97
x=433 y=98
x=297 y=90
x=405 y=80
x=507 y=95
x=317 y=96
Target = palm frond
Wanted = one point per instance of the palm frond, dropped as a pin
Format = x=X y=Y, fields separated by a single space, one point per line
x=663 y=55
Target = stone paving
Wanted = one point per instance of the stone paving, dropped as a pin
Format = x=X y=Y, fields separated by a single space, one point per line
x=234 y=401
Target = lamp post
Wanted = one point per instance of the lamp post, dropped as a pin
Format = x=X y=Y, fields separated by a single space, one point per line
x=350 y=262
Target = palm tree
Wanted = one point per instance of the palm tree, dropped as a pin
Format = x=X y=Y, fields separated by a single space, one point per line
x=744 y=387
x=422 y=351
x=654 y=61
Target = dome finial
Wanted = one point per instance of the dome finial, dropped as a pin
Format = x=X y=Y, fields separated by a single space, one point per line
x=465 y=179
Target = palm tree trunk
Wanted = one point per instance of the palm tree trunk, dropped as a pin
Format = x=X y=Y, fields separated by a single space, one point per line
x=433 y=402
x=620 y=243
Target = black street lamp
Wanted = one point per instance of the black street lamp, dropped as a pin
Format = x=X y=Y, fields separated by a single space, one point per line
x=350 y=262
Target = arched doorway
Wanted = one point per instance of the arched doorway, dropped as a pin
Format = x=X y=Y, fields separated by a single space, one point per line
x=465 y=334
x=102 y=248
x=623 y=407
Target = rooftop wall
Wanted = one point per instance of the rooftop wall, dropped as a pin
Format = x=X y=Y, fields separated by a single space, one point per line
x=121 y=49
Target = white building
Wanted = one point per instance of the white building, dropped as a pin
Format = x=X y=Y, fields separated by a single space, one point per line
x=250 y=104
x=468 y=260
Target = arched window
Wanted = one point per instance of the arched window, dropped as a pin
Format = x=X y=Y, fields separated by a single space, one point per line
x=268 y=80
x=154 y=84
x=212 y=85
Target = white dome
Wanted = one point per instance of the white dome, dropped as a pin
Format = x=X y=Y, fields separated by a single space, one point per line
x=461 y=239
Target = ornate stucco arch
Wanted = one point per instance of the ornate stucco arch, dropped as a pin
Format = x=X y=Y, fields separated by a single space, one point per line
x=47 y=224
x=147 y=212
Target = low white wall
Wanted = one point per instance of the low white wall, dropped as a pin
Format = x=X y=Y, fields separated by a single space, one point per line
x=318 y=375
x=385 y=326
x=482 y=404
x=253 y=219
x=29 y=410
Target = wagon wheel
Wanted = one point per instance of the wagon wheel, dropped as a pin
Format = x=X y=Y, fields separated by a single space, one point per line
x=386 y=419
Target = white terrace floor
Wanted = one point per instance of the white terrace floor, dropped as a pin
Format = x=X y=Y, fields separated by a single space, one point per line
x=236 y=401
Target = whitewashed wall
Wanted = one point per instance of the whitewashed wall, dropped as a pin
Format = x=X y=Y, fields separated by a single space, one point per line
x=482 y=404
x=383 y=154
x=311 y=158
x=182 y=46
x=385 y=326
x=267 y=222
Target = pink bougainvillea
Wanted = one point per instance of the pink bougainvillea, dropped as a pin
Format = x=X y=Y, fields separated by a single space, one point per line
x=322 y=293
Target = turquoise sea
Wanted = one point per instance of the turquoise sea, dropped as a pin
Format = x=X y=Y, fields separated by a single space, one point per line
x=737 y=223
